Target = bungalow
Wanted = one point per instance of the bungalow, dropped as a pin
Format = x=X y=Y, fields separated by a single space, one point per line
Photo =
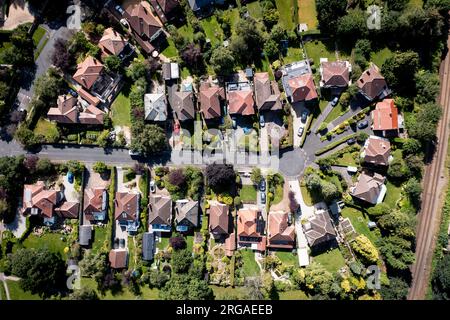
x=148 y=246
x=71 y=110
x=386 y=121
x=167 y=10
x=211 y=100
x=377 y=151
x=280 y=234
x=369 y=188
x=240 y=99
x=267 y=94
x=113 y=43
x=182 y=103
x=186 y=215
x=335 y=74
x=160 y=213
x=250 y=229
x=118 y=258
x=372 y=84
x=298 y=82
x=319 y=230
x=218 y=219
x=145 y=26
x=155 y=105
x=95 y=204
x=203 y=7
x=47 y=204
x=126 y=208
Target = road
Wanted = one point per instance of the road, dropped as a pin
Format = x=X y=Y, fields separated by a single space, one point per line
x=433 y=188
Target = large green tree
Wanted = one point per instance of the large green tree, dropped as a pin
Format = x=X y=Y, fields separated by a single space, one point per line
x=151 y=139
x=399 y=71
x=328 y=13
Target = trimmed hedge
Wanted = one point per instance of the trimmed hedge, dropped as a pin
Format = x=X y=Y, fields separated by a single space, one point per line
x=335 y=144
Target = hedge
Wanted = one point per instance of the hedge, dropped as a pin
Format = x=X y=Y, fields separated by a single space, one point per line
x=306 y=130
x=335 y=144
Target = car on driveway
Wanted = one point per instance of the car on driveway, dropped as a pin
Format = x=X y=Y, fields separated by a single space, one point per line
x=262 y=185
x=122 y=243
x=152 y=186
x=262 y=123
x=73 y=93
x=70 y=177
x=363 y=124
x=133 y=153
x=351 y=141
x=263 y=197
x=119 y=9
x=304 y=115
x=300 y=131
x=335 y=101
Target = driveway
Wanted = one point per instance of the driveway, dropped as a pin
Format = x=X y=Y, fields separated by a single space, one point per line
x=18 y=226
x=70 y=193
x=297 y=110
x=323 y=115
x=273 y=129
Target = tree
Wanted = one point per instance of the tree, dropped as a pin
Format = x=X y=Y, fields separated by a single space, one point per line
x=278 y=33
x=318 y=279
x=247 y=41
x=84 y=294
x=271 y=49
x=396 y=252
x=41 y=271
x=184 y=287
x=181 y=261
x=353 y=25
x=137 y=69
x=413 y=189
x=414 y=164
x=411 y=146
x=157 y=279
x=397 y=223
x=20 y=52
x=150 y=140
x=397 y=289
x=293 y=203
x=220 y=177
x=44 y=167
x=100 y=167
x=26 y=137
x=177 y=178
x=192 y=56
x=379 y=210
x=441 y=278
x=76 y=167
x=364 y=248
x=256 y=176
x=399 y=71
x=362 y=137
x=30 y=163
x=313 y=182
x=422 y=125
x=222 y=61
x=329 y=191
x=61 y=57
x=328 y=13
x=398 y=169
x=427 y=86
x=103 y=140
x=113 y=63
x=270 y=17
x=177 y=242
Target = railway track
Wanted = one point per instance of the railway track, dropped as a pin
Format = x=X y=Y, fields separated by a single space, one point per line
x=433 y=189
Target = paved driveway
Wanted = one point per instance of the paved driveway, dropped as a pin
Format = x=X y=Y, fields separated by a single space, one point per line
x=297 y=110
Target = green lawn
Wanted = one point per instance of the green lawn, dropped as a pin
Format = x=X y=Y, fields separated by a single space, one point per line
x=48 y=129
x=346 y=160
x=359 y=222
x=285 y=9
x=288 y=258
x=307 y=13
x=380 y=56
x=100 y=236
x=187 y=32
x=255 y=10
x=38 y=34
x=16 y=293
x=163 y=244
x=132 y=259
x=121 y=108
x=248 y=193
x=307 y=198
x=185 y=73
x=317 y=49
x=249 y=267
x=52 y=241
x=293 y=295
x=393 y=194
x=212 y=29
x=190 y=242
x=2 y=292
x=292 y=55
x=332 y=260
x=278 y=196
x=223 y=293
x=336 y=112
x=170 y=51
x=125 y=294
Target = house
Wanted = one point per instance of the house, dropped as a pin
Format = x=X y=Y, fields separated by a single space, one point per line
x=85 y=235
x=145 y=26
x=148 y=246
x=369 y=188
x=250 y=229
x=377 y=151
x=118 y=258
x=298 y=82
x=171 y=71
x=155 y=105
x=218 y=219
x=113 y=43
x=372 y=84
x=240 y=99
x=335 y=74
x=319 y=230
x=126 y=210
x=95 y=204
x=203 y=7
x=47 y=204
x=386 y=121
x=280 y=234
x=267 y=94
x=186 y=215
x=160 y=213
x=182 y=103
x=211 y=99
x=88 y=72
x=167 y=10
x=71 y=110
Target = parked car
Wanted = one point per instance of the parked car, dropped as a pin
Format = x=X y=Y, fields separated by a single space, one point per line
x=263 y=197
x=300 y=131
x=152 y=186
x=133 y=153
x=335 y=101
x=262 y=123
x=73 y=93
x=290 y=218
x=70 y=177
x=304 y=115
x=262 y=185
x=246 y=174
x=119 y=9
x=351 y=141
x=363 y=124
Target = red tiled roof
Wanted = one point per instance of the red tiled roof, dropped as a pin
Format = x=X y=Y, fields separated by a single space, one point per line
x=35 y=196
x=371 y=82
x=385 y=115
x=118 y=258
x=247 y=223
x=68 y=209
x=66 y=110
x=240 y=102
x=303 y=88
x=377 y=150
x=127 y=203
x=335 y=74
x=142 y=20
x=210 y=97
x=91 y=115
x=88 y=72
x=267 y=94
x=112 y=42
x=93 y=200
x=280 y=235
x=218 y=218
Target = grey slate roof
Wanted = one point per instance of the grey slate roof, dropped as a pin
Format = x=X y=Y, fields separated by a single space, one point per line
x=155 y=107
x=160 y=210
x=148 y=246
x=186 y=212
x=85 y=235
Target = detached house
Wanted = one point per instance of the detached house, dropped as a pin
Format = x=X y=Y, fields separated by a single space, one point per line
x=71 y=110
x=203 y=7
x=113 y=43
x=267 y=94
x=250 y=229
x=155 y=105
x=167 y=10
x=335 y=74
x=160 y=213
x=369 y=188
x=386 y=121
x=240 y=99
x=319 y=230
x=211 y=100
x=95 y=204
x=298 y=82
x=218 y=219
x=127 y=210
x=280 y=234
x=377 y=151
x=186 y=215
x=372 y=84
x=182 y=103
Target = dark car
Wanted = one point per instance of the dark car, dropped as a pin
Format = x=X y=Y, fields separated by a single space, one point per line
x=351 y=141
x=263 y=197
x=363 y=124
x=70 y=177
x=262 y=185
x=304 y=116
x=73 y=93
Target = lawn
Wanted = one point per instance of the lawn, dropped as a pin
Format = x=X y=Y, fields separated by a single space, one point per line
x=307 y=198
x=52 y=241
x=346 y=160
x=38 y=34
x=170 y=51
x=121 y=108
x=337 y=111
x=250 y=267
x=48 y=129
x=190 y=242
x=187 y=32
x=278 y=196
x=380 y=56
x=359 y=221
x=16 y=293
x=393 y=194
x=248 y=193
x=100 y=236
x=292 y=55
x=293 y=295
x=132 y=259
x=163 y=244
x=212 y=29
x=2 y=292
x=288 y=258
x=307 y=13
x=285 y=9
x=255 y=10
x=125 y=294
x=332 y=260
x=317 y=49
x=224 y=293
